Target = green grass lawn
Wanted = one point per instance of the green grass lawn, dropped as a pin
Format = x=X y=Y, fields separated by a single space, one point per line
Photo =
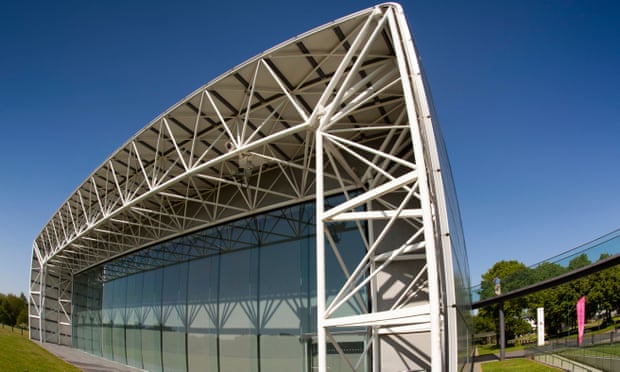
x=516 y=365
x=494 y=349
x=18 y=353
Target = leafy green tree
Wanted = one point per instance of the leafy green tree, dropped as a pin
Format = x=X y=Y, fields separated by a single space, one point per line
x=602 y=291
x=546 y=298
x=484 y=324
x=22 y=317
x=579 y=262
x=605 y=291
x=520 y=327
x=512 y=275
x=559 y=302
x=11 y=307
x=547 y=270
x=5 y=318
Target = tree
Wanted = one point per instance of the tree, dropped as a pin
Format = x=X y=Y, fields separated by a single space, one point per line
x=512 y=275
x=22 y=317
x=5 y=317
x=546 y=270
x=12 y=308
x=578 y=262
x=559 y=303
x=602 y=291
x=509 y=273
x=483 y=324
x=605 y=291
x=547 y=298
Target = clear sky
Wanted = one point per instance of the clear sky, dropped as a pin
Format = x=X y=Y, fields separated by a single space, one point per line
x=527 y=93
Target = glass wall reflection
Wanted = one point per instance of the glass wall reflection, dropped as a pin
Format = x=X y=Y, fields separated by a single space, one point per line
x=236 y=297
x=458 y=256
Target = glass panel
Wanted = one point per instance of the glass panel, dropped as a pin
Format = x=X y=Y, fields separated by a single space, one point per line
x=237 y=306
x=308 y=270
x=458 y=251
x=202 y=314
x=95 y=293
x=151 y=320
x=238 y=311
x=351 y=249
x=174 y=317
x=134 y=316
x=119 y=319
x=80 y=291
x=353 y=348
x=107 y=317
x=282 y=307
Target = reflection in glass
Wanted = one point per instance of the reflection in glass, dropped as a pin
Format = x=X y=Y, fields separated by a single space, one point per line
x=202 y=310
x=238 y=313
x=119 y=320
x=282 y=308
x=107 y=316
x=236 y=297
x=134 y=316
x=174 y=316
x=151 y=320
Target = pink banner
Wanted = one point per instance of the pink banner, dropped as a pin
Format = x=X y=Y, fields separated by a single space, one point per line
x=581 y=318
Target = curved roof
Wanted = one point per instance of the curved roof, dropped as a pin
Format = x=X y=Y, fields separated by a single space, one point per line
x=186 y=168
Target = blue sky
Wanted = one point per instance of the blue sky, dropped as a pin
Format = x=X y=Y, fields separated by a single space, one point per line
x=527 y=93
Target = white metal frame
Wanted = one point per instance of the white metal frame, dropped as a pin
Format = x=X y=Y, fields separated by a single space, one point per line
x=341 y=108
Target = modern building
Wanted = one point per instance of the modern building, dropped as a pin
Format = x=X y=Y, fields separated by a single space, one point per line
x=296 y=213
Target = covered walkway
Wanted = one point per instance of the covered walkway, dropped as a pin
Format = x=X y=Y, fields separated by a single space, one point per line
x=519 y=284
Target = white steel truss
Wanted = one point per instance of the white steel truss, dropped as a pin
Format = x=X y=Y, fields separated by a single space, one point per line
x=341 y=109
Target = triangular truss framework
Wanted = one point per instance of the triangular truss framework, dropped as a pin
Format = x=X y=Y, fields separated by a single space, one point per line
x=341 y=109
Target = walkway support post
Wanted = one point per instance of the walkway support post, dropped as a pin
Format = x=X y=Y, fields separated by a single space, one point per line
x=502 y=333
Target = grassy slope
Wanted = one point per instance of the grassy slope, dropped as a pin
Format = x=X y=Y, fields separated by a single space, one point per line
x=609 y=349
x=18 y=353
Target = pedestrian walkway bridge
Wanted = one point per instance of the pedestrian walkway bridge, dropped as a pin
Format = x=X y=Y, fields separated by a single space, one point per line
x=588 y=258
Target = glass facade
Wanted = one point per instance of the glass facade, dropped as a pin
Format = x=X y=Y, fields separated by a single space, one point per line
x=458 y=257
x=235 y=297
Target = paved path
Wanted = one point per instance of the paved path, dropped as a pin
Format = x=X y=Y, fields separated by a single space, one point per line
x=86 y=362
